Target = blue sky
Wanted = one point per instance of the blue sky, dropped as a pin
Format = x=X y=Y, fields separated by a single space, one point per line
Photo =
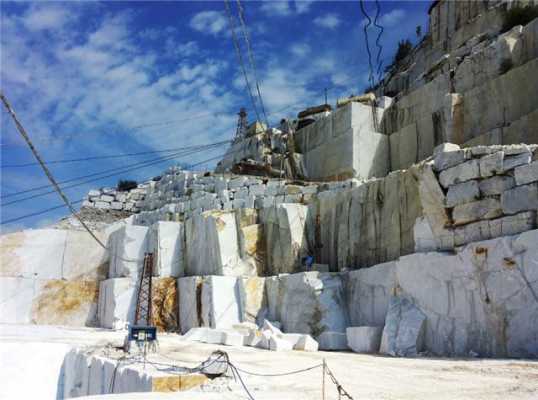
x=87 y=78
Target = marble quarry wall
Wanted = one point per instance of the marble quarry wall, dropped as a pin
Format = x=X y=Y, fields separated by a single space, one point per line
x=473 y=86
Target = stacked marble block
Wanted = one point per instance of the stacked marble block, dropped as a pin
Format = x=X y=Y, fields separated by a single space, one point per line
x=113 y=199
x=182 y=194
x=478 y=193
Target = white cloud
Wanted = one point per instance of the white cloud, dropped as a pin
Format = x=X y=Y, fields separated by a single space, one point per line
x=39 y=17
x=212 y=22
x=276 y=8
x=329 y=21
x=300 y=49
x=303 y=6
x=392 y=18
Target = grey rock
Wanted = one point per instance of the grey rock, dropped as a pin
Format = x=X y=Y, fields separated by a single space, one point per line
x=491 y=164
x=448 y=158
x=482 y=209
x=332 y=341
x=520 y=198
x=364 y=339
x=496 y=185
x=460 y=173
x=511 y=162
x=526 y=173
x=403 y=334
x=462 y=193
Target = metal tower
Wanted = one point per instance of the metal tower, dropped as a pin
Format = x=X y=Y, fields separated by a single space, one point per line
x=242 y=124
x=143 y=314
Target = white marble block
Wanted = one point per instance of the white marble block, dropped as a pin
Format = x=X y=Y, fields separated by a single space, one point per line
x=117 y=298
x=221 y=302
x=364 y=339
x=167 y=242
x=128 y=246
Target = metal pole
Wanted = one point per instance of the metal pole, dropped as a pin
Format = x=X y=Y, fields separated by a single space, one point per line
x=323 y=382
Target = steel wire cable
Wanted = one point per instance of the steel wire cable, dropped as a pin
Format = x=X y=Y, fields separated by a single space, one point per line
x=63 y=161
x=199 y=147
x=251 y=57
x=144 y=165
x=240 y=57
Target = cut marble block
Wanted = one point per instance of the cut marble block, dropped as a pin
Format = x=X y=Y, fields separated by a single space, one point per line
x=221 y=302
x=48 y=301
x=117 y=302
x=277 y=344
x=286 y=235
x=364 y=339
x=253 y=301
x=311 y=303
x=212 y=244
x=403 y=334
x=306 y=343
x=167 y=242
x=190 y=302
x=128 y=246
x=52 y=254
x=332 y=341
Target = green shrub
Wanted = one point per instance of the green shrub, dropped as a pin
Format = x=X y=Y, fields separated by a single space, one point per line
x=404 y=49
x=519 y=15
x=124 y=185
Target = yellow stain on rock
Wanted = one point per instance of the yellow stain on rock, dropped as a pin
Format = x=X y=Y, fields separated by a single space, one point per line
x=164 y=303
x=177 y=383
x=60 y=301
x=254 y=296
x=11 y=264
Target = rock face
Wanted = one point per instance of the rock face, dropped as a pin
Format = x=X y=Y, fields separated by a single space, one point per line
x=368 y=292
x=482 y=299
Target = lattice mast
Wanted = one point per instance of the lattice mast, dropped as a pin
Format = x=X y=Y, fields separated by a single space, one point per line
x=242 y=124
x=144 y=312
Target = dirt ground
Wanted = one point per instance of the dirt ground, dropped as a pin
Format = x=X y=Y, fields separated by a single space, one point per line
x=363 y=376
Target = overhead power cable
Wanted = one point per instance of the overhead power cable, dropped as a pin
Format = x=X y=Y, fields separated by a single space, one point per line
x=121 y=169
x=16 y=219
x=240 y=57
x=23 y=133
x=72 y=160
x=9 y=221
x=251 y=57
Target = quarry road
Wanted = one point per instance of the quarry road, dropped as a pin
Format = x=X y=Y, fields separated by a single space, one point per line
x=363 y=376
